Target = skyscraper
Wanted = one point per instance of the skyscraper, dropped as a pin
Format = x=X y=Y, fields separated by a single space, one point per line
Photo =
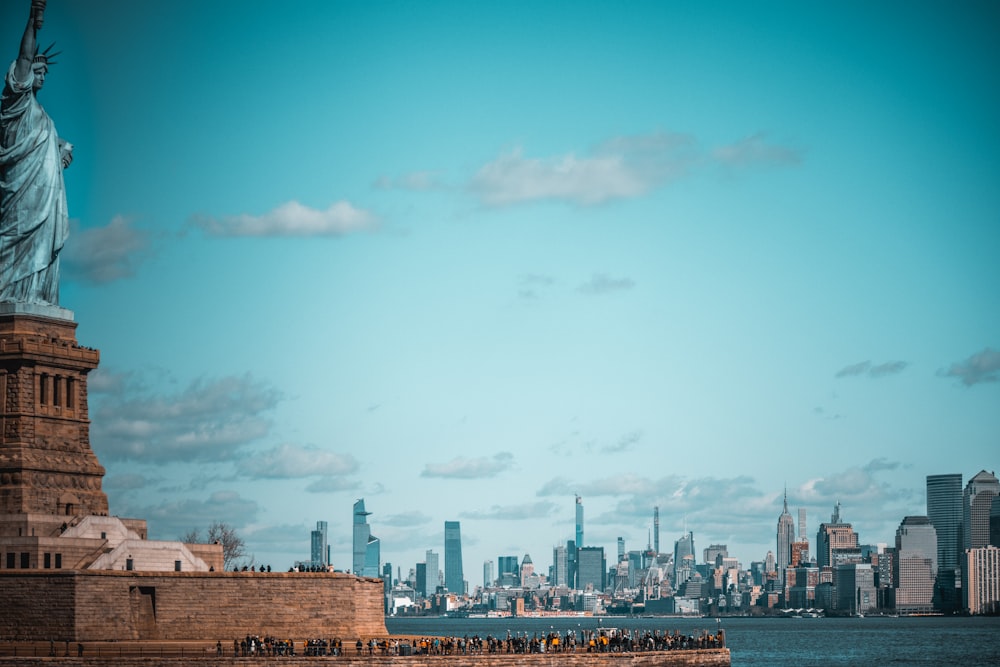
x=591 y=568
x=944 y=509
x=366 y=549
x=786 y=535
x=579 y=522
x=834 y=537
x=915 y=565
x=319 y=553
x=977 y=502
x=432 y=573
x=454 y=579
x=684 y=561
x=656 y=529
x=560 y=565
x=487 y=573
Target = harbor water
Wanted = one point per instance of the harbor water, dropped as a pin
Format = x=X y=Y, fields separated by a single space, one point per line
x=775 y=642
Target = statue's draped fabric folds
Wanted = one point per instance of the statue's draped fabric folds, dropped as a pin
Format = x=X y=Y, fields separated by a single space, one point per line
x=34 y=221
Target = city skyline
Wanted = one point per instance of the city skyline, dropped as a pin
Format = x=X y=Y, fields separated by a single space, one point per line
x=469 y=262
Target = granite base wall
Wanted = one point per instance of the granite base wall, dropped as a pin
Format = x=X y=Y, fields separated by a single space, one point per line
x=81 y=605
x=700 y=658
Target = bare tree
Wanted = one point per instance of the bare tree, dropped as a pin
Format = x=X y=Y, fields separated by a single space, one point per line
x=234 y=552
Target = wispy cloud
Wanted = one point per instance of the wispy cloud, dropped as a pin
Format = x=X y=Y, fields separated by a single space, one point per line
x=866 y=368
x=291 y=219
x=623 y=443
x=332 y=484
x=125 y=482
x=290 y=461
x=406 y=519
x=601 y=283
x=512 y=512
x=979 y=368
x=756 y=150
x=463 y=468
x=208 y=421
x=418 y=180
x=621 y=168
x=530 y=284
x=100 y=255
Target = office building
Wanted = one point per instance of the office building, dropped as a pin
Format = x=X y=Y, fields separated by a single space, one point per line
x=982 y=580
x=432 y=573
x=454 y=577
x=855 y=588
x=836 y=536
x=560 y=565
x=366 y=547
x=508 y=571
x=319 y=552
x=944 y=509
x=656 y=529
x=592 y=568
x=488 y=576
x=977 y=503
x=684 y=560
x=915 y=565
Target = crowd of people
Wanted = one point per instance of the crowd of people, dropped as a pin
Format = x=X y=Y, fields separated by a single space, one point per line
x=601 y=640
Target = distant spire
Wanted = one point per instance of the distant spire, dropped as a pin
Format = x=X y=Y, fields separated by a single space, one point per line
x=786 y=498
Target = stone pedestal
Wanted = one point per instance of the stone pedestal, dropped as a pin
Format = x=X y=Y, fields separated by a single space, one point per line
x=46 y=464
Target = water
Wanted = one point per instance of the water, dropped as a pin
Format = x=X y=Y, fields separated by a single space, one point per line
x=778 y=642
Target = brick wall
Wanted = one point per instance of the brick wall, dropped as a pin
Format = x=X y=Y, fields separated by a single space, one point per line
x=106 y=606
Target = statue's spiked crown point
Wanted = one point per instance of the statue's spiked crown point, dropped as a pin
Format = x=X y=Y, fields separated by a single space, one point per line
x=45 y=57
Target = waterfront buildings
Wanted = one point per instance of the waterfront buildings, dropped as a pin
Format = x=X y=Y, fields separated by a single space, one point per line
x=454 y=579
x=855 y=588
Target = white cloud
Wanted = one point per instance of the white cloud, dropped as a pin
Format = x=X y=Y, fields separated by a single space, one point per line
x=620 y=168
x=463 y=468
x=292 y=219
x=289 y=461
x=209 y=420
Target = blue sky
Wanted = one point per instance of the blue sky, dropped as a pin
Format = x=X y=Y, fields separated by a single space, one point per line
x=466 y=260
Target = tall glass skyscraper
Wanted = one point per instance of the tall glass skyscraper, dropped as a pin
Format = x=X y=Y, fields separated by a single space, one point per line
x=915 y=565
x=320 y=550
x=433 y=573
x=366 y=548
x=454 y=579
x=579 y=522
x=944 y=509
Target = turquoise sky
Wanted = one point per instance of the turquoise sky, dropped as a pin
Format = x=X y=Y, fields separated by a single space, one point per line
x=466 y=260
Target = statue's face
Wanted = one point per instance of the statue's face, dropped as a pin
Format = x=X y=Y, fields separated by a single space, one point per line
x=40 y=70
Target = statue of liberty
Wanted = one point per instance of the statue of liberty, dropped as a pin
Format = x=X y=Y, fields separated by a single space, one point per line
x=34 y=222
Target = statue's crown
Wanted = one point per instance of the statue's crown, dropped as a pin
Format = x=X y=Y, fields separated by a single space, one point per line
x=44 y=56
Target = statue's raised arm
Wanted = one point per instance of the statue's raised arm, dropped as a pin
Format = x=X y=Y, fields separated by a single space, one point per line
x=34 y=221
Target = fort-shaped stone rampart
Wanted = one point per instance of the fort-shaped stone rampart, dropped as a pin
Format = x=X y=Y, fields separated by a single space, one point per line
x=84 y=605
